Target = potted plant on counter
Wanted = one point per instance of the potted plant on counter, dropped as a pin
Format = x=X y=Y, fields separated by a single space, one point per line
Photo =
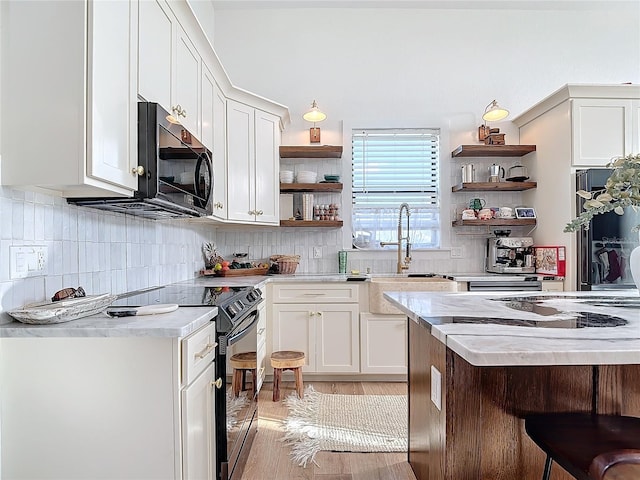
x=621 y=190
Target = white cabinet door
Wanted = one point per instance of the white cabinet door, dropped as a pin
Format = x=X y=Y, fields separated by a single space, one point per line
x=337 y=338
x=602 y=130
x=219 y=148
x=240 y=162
x=77 y=76
x=187 y=80
x=198 y=428
x=383 y=347
x=267 y=171
x=294 y=328
x=113 y=120
x=155 y=48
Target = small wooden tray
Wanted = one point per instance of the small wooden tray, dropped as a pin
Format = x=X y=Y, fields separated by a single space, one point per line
x=236 y=272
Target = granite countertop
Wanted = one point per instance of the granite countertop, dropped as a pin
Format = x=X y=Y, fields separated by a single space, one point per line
x=487 y=331
x=179 y=323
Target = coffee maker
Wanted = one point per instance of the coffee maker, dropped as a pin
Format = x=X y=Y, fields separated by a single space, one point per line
x=510 y=255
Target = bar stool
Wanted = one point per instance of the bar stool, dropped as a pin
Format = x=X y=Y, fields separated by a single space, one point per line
x=287 y=360
x=619 y=465
x=574 y=440
x=241 y=363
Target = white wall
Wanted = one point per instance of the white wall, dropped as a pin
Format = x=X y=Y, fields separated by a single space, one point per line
x=421 y=67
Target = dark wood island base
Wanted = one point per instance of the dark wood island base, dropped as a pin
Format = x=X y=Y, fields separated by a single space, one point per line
x=478 y=434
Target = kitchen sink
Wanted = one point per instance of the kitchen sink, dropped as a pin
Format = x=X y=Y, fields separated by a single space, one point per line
x=379 y=285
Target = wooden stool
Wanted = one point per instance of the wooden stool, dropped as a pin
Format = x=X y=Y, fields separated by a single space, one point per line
x=241 y=362
x=574 y=440
x=287 y=360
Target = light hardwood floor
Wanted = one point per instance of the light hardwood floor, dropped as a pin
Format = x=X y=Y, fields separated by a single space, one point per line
x=269 y=458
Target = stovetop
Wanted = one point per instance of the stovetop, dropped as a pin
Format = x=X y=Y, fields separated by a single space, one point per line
x=183 y=295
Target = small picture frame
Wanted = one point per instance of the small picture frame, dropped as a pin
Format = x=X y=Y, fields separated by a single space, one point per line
x=525 y=212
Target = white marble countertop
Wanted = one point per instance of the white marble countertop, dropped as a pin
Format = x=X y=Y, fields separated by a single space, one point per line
x=178 y=323
x=492 y=344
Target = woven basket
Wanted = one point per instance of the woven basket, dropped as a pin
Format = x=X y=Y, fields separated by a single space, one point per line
x=287 y=264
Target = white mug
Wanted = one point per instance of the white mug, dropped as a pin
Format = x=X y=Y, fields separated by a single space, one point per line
x=468 y=214
x=506 y=212
x=485 y=214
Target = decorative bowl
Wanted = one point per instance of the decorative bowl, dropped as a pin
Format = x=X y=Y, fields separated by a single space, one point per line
x=46 y=313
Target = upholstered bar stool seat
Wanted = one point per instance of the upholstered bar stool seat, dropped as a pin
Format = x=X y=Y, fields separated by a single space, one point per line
x=287 y=360
x=575 y=440
x=241 y=363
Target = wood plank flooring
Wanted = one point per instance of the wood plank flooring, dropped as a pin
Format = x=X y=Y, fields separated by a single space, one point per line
x=269 y=457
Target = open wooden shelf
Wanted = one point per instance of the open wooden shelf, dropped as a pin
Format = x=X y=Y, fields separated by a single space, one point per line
x=495 y=222
x=492 y=150
x=311 y=187
x=494 y=186
x=310 y=151
x=311 y=223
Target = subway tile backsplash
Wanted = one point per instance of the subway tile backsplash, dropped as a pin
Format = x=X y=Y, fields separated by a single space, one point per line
x=103 y=252
x=110 y=252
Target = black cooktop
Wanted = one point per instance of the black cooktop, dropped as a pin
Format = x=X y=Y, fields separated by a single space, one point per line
x=182 y=295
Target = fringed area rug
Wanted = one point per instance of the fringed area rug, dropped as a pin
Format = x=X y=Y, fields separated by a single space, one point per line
x=344 y=423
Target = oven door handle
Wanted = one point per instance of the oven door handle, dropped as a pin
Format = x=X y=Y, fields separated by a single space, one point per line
x=235 y=336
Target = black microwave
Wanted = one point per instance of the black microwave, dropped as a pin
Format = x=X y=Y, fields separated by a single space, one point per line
x=178 y=171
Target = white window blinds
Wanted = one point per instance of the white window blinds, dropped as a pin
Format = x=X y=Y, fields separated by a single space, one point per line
x=391 y=167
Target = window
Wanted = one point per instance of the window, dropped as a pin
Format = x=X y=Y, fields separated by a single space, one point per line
x=391 y=167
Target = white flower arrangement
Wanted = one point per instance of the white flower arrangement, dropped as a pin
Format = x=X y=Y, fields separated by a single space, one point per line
x=622 y=189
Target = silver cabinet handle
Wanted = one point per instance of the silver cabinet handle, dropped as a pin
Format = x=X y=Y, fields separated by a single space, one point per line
x=218 y=205
x=217 y=383
x=139 y=170
x=259 y=212
x=205 y=351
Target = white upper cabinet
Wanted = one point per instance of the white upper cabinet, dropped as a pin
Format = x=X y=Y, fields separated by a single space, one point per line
x=252 y=160
x=68 y=96
x=155 y=47
x=267 y=144
x=241 y=161
x=187 y=81
x=602 y=129
x=169 y=64
x=214 y=136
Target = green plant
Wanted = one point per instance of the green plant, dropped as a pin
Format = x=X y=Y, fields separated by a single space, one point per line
x=621 y=190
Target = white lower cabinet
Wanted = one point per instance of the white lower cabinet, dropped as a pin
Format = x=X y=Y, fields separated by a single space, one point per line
x=383 y=343
x=326 y=330
x=108 y=407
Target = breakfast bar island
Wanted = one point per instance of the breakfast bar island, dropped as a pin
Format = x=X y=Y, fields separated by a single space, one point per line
x=480 y=363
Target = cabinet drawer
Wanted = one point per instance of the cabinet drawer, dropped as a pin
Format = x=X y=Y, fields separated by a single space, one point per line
x=198 y=351
x=315 y=293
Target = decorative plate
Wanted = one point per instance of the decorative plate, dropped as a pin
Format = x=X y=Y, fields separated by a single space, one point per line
x=46 y=313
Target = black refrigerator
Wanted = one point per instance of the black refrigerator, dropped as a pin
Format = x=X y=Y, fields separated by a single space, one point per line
x=604 y=249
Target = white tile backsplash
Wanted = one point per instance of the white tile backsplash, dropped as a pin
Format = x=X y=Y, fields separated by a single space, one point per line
x=102 y=252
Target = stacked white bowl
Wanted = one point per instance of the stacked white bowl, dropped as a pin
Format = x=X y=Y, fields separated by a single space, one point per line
x=307 y=177
x=286 y=176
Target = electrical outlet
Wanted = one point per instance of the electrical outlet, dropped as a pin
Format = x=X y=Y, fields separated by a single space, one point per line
x=436 y=387
x=29 y=261
x=456 y=252
x=317 y=252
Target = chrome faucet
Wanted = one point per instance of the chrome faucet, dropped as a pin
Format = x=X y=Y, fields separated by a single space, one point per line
x=402 y=265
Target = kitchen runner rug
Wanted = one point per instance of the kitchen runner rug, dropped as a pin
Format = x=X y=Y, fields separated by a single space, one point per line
x=344 y=423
